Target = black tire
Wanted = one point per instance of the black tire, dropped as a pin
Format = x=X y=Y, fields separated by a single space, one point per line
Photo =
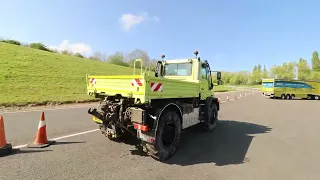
x=211 y=113
x=292 y=96
x=283 y=96
x=288 y=96
x=316 y=97
x=164 y=147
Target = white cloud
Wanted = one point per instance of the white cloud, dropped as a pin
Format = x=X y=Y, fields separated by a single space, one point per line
x=156 y=18
x=81 y=48
x=128 y=21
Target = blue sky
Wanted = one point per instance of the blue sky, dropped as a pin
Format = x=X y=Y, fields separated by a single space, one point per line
x=232 y=35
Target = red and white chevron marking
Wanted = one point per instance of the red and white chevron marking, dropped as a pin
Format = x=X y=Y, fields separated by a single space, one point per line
x=92 y=81
x=136 y=82
x=156 y=87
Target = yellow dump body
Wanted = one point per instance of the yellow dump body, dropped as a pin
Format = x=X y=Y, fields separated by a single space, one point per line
x=141 y=87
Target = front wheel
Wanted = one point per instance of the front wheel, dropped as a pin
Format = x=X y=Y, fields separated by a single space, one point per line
x=213 y=117
x=167 y=136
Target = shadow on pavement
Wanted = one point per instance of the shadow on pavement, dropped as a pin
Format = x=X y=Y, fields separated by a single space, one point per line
x=67 y=142
x=37 y=149
x=228 y=144
x=138 y=151
x=23 y=151
x=127 y=139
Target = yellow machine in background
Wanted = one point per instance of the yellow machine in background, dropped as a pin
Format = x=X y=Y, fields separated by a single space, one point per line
x=291 y=89
x=267 y=87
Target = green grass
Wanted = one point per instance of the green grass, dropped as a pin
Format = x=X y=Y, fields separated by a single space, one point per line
x=30 y=76
x=222 y=88
x=249 y=86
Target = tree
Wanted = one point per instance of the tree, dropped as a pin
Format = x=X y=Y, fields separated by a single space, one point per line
x=265 y=72
x=304 y=71
x=315 y=61
x=274 y=71
x=79 y=55
x=256 y=75
x=117 y=58
x=315 y=75
x=138 y=54
x=290 y=70
x=98 y=56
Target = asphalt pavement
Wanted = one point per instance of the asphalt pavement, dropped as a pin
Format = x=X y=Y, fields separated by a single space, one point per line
x=256 y=138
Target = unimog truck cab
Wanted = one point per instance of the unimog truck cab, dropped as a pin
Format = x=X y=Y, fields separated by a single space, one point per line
x=155 y=108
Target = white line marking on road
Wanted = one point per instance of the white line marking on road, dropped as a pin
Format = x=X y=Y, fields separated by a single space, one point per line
x=62 y=137
x=76 y=134
x=46 y=109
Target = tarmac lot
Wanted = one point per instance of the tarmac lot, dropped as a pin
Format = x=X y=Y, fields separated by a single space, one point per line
x=257 y=138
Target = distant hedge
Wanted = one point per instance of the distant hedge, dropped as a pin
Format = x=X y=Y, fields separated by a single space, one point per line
x=10 y=41
x=39 y=46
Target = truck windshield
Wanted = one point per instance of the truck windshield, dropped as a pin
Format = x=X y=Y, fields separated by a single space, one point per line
x=178 y=69
x=267 y=84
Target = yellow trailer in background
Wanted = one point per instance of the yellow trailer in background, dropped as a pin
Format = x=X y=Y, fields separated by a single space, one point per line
x=291 y=89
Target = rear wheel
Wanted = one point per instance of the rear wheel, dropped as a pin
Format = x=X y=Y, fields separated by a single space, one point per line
x=316 y=97
x=283 y=96
x=167 y=136
x=292 y=96
x=288 y=96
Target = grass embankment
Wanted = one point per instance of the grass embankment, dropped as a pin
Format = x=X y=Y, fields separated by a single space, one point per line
x=30 y=76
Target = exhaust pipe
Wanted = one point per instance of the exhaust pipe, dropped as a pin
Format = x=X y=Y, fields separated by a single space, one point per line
x=95 y=113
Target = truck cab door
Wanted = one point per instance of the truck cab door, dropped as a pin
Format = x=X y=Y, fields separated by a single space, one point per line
x=205 y=82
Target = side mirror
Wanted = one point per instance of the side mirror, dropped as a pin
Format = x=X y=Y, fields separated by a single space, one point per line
x=158 y=71
x=218 y=75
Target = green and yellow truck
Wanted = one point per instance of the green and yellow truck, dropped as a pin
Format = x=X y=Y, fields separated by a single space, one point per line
x=291 y=89
x=155 y=108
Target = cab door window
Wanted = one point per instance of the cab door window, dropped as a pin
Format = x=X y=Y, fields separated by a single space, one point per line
x=204 y=72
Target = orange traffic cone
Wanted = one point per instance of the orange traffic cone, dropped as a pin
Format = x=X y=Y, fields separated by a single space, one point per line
x=235 y=97
x=41 y=137
x=5 y=147
x=228 y=98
